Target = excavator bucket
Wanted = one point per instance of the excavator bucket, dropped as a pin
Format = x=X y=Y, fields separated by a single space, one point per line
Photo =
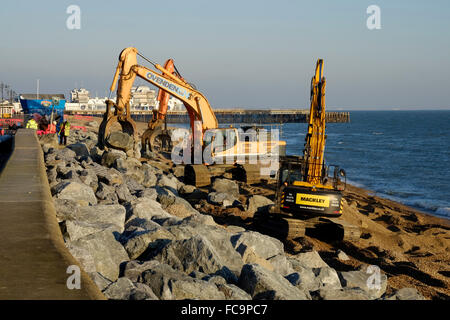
x=156 y=137
x=109 y=119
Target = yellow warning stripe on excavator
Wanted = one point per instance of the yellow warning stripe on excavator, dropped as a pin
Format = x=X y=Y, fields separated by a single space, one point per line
x=312 y=200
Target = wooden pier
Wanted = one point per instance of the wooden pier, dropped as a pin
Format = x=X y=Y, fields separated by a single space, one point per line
x=225 y=116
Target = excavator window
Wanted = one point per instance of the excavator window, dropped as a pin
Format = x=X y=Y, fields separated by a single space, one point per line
x=291 y=173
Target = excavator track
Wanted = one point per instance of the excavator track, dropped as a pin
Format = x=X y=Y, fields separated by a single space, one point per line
x=335 y=229
x=248 y=173
x=346 y=230
x=280 y=227
x=290 y=228
x=197 y=175
x=200 y=175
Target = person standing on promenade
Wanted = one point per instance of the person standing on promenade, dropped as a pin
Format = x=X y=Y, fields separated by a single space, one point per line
x=64 y=132
x=32 y=124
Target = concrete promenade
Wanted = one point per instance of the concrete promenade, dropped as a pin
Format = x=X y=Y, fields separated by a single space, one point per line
x=33 y=257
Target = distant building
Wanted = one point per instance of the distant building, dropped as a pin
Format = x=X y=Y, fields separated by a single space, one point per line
x=6 y=109
x=143 y=98
x=79 y=96
x=175 y=104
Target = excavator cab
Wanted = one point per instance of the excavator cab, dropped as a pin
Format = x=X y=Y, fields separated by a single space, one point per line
x=297 y=197
x=119 y=111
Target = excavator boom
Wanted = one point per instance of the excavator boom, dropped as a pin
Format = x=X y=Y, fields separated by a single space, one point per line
x=127 y=69
x=315 y=137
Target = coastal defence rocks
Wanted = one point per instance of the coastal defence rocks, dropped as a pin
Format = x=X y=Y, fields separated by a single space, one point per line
x=132 y=228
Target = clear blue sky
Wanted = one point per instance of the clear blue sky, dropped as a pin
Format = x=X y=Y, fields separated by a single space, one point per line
x=239 y=53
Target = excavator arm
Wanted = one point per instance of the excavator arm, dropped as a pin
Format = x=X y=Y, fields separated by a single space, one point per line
x=313 y=153
x=127 y=69
x=156 y=136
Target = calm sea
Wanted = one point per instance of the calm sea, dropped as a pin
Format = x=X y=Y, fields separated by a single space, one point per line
x=401 y=155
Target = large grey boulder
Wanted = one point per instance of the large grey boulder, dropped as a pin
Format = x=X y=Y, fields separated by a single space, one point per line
x=194 y=289
x=150 y=193
x=65 y=209
x=123 y=194
x=176 y=206
x=133 y=269
x=304 y=278
x=226 y=186
x=132 y=185
x=261 y=283
x=140 y=240
x=167 y=182
x=65 y=154
x=158 y=278
x=327 y=278
x=125 y=165
x=258 y=204
x=101 y=282
x=75 y=191
x=80 y=149
x=67 y=172
x=101 y=215
x=120 y=140
x=198 y=220
x=281 y=264
x=191 y=227
x=233 y=292
x=146 y=208
x=365 y=281
x=138 y=224
x=170 y=284
x=110 y=157
x=222 y=199
x=131 y=168
x=88 y=177
x=149 y=176
x=109 y=176
x=197 y=254
x=310 y=259
x=107 y=193
x=101 y=249
x=96 y=154
x=343 y=294
x=264 y=246
x=125 y=289
x=78 y=229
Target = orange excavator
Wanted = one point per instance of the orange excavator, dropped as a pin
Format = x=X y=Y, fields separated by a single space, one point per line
x=157 y=137
x=201 y=115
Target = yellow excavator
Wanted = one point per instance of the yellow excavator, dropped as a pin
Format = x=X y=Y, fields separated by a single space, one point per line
x=309 y=193
x=202 y=119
